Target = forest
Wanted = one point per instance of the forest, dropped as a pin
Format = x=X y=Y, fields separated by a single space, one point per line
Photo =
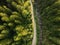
x=29 y=22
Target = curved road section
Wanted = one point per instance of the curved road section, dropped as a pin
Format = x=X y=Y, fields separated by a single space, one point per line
x=34 y=25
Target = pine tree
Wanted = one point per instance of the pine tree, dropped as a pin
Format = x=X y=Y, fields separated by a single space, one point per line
x=49 y=12
x=51 y=22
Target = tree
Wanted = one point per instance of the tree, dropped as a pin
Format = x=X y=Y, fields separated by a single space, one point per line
x=48 y=10
x=15 y=22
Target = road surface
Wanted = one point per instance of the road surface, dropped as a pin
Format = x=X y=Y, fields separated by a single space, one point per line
x=34 y=25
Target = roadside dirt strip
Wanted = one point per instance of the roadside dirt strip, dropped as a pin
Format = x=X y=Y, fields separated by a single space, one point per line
x=34 y=24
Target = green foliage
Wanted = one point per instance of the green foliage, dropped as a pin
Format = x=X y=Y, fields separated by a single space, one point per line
x=15 y=22
x=50 y=13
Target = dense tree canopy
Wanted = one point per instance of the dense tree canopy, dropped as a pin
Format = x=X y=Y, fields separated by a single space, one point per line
x=15 y=22
x=48 y=11
x=51 y=21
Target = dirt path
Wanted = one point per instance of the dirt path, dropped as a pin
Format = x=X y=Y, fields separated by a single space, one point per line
x=34 y=25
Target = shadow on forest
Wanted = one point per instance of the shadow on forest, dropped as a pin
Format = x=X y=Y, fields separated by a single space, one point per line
x=49 y=12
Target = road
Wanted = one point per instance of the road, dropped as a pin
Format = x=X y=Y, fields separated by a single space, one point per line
x=34 y=25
